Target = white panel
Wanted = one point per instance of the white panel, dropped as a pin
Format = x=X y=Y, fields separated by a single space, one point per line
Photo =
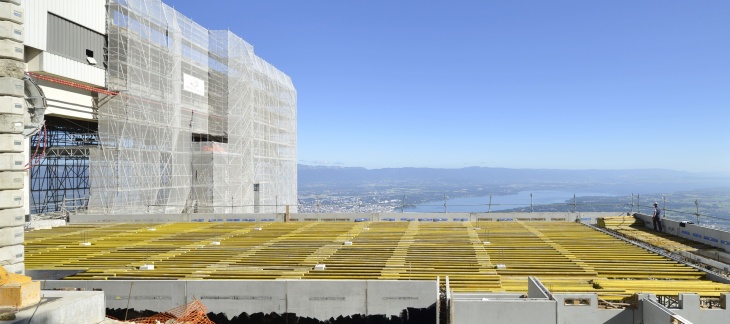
x=35 y=23
x=68 y=104
x=71 y=69
x=88 y=13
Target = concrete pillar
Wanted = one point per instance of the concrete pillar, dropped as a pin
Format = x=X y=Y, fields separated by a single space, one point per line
x=12 y=111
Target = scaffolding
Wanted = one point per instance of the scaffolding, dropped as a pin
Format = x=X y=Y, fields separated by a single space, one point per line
x=59 y=165
x=200 y=123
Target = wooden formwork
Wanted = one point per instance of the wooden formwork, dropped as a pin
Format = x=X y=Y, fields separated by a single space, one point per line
x=565 y=256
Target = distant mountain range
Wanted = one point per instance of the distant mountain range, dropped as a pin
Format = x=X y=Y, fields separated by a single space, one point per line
x=620 y=179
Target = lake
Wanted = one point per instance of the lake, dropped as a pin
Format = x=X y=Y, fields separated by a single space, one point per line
x=520 y=199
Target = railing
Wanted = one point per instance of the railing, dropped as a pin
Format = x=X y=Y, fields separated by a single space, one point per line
x=627 y=205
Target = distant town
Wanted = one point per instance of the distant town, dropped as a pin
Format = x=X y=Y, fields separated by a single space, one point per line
x=342 y=190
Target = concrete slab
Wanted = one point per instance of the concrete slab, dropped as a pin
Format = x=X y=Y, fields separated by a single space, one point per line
x=11 y=123
x=11 y=235
x=11 y=217
x=64 y=307
x=16 y=268
x=12 y=253
x=11 y=105
x=10 y=198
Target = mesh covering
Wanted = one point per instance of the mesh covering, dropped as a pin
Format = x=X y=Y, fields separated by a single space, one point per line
x=201 y=123
x=192 y=313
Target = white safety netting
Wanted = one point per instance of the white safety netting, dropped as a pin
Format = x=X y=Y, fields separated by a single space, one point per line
x=201 y=124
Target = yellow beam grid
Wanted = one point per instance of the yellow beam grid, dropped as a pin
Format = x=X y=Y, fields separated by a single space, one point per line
x=635 y=229
x=566 y=257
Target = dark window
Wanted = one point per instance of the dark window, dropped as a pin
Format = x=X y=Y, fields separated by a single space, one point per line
x=73 y=41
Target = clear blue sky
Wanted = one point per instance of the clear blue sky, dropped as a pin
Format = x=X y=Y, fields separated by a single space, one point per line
x=518 y=84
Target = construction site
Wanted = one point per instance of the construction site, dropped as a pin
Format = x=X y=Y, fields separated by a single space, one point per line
x=468 y=268
x=183 y=119
x=168 y=152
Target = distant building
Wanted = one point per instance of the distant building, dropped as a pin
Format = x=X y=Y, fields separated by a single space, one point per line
x=150 y=112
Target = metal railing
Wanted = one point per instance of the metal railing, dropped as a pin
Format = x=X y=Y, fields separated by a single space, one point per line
x=629 y=205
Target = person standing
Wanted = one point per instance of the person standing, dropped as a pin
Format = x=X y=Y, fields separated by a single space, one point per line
x=656 y=218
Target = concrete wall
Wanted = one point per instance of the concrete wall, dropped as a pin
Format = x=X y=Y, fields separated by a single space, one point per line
x=694 y=232
x=320 y=299
x=579 y=308
x=654 y=313
x=535 y=289
x=512 y=311
x=689 y=311
x=590 y=218
x=64 y=307
x=689 y=308
x=572 y=309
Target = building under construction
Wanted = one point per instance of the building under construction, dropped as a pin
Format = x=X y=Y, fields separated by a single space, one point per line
x=149 y=111
x=171 y=150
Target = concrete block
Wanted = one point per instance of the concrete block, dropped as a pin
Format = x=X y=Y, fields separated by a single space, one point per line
x=390 y=297
x=11 y=124
x=12 y=12
x=11 y=198
x=16 y=268
x=10 y=49
x=12 y=31
x=12 y=162
x=12 y=87
x=8 y=104
x=11 y=236
x=11 y=143
x=66 y=307
x=12 y=217
x=12 y=68
x=234 y=297
x=11 y=180
x=322 y=299
x=12 y=254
